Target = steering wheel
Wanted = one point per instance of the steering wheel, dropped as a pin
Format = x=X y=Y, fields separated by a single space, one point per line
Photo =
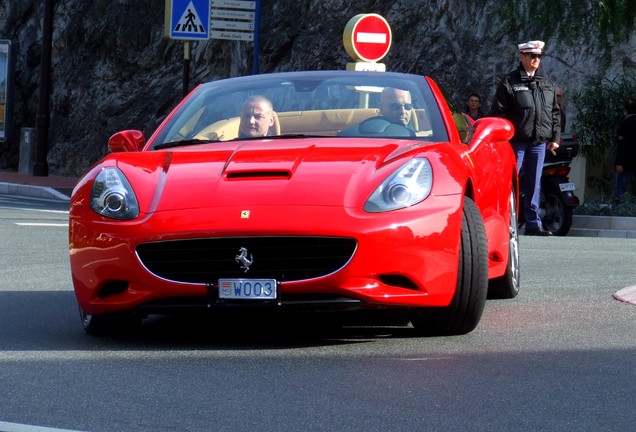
x=378 y=126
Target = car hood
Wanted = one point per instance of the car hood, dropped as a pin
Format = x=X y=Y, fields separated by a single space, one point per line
x=311 y=172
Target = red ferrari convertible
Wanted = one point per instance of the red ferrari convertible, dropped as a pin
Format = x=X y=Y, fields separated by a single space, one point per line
x=302 y=190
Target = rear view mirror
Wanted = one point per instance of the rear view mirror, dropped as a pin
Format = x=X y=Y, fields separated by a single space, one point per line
x=126 y=141
x=494 y=128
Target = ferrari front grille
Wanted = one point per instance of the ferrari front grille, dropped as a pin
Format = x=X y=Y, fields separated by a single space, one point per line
x=281 y=258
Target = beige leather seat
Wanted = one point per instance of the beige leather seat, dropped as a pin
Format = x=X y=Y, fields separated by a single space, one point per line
x=275 y=129
x=414 y=123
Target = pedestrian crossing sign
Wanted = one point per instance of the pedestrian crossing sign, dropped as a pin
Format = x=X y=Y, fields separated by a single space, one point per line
x=188 y=19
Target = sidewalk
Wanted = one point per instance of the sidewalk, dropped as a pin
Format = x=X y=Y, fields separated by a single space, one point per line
x=50 y=187
x=60 y=188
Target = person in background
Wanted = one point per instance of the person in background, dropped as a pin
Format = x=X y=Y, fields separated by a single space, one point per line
x=257 y=116
x=626 y=149
x=396 y=105
x=560 y=98
x=528 y=101
x=473 y=107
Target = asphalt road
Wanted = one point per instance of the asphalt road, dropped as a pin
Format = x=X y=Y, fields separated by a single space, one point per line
x=559 y=357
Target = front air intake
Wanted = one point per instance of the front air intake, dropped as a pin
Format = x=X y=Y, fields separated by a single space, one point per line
x=238 y=175
x=281 y=258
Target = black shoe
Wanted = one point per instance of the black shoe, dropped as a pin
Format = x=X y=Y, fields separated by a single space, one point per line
x=537 y=232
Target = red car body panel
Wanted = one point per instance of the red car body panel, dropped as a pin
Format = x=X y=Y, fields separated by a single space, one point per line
x=313 y=186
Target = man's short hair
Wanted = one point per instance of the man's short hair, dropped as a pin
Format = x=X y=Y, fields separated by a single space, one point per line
x=259 y=99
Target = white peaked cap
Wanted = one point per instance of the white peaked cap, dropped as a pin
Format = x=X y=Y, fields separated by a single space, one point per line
x=532 y=47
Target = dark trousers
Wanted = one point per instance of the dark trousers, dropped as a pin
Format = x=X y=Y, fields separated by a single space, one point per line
x=624 y=182
x=530 y=159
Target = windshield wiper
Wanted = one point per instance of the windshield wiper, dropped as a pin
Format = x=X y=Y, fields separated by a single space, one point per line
x=285 y=136
x=172 y=144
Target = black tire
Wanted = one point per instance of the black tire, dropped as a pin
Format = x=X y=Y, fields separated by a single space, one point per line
x=507 y=286
x=464 y=312
x=556 y=215
x=110 y=324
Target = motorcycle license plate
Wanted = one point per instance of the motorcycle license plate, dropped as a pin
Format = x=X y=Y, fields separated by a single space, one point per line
x=567 y=187
x=247 y=289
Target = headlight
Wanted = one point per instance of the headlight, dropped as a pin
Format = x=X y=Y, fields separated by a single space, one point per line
x=410 y=184
x=112 y=196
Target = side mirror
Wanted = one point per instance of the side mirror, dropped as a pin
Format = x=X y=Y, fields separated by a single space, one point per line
x=495 y=128
x=126 y=141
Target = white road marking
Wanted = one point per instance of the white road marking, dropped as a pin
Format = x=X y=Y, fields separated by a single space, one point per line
x=34 y=209
x=43 y=224
x=16 y=427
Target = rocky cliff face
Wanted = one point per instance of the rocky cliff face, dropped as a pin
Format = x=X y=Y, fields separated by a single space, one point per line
x=114 y=70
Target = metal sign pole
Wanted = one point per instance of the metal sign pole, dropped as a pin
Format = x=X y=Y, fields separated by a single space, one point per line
x=41 y=167
x=186 y=68
x=187 y=20
x=257 y=36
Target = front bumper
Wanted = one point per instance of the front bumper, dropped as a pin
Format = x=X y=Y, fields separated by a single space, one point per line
x=402 y=258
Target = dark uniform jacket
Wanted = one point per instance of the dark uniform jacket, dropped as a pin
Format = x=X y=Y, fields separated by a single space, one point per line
x=626 y=143
x=531 y=106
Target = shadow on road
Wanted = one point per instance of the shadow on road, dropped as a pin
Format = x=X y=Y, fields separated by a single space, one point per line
x=48 y=320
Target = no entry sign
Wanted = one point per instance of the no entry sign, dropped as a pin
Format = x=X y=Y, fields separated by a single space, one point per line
x=367 y=37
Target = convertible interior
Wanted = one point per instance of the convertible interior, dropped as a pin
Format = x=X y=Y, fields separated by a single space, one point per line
x=326 y=122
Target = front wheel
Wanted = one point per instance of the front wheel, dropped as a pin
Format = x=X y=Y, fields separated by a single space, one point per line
x=464 y=312
x=556 y=215
x=507 y=286
x=109 y=324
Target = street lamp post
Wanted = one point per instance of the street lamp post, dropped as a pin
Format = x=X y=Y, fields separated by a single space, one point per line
x=40 y=166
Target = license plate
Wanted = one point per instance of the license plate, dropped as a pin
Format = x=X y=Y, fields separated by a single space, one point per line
x=567 y=187
x=247 y=289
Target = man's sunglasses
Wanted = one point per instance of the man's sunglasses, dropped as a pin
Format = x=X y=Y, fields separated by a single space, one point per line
x=534 y=56
x=396 y=106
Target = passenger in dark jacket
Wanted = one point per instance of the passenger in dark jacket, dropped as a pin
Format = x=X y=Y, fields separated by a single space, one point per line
x=529 y=101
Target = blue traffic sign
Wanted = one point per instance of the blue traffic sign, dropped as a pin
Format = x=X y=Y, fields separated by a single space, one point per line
x=189 y=19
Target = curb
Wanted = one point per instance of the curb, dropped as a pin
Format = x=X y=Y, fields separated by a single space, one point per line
x=43 y=192
x=603 y=226
x=592 y=232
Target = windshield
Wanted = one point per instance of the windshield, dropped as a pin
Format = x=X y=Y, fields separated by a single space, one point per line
x=346 y=104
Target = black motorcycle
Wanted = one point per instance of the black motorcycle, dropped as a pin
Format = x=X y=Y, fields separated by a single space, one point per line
x=557 y=200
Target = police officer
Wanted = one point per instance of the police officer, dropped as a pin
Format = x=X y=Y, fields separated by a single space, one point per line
x=529 y=101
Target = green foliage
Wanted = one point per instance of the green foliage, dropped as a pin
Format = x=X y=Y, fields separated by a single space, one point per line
x=614 y=17
x=603 y=22
x=599 y=110
x=625 y=206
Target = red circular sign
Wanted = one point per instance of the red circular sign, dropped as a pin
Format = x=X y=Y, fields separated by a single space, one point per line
x=367 y=37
